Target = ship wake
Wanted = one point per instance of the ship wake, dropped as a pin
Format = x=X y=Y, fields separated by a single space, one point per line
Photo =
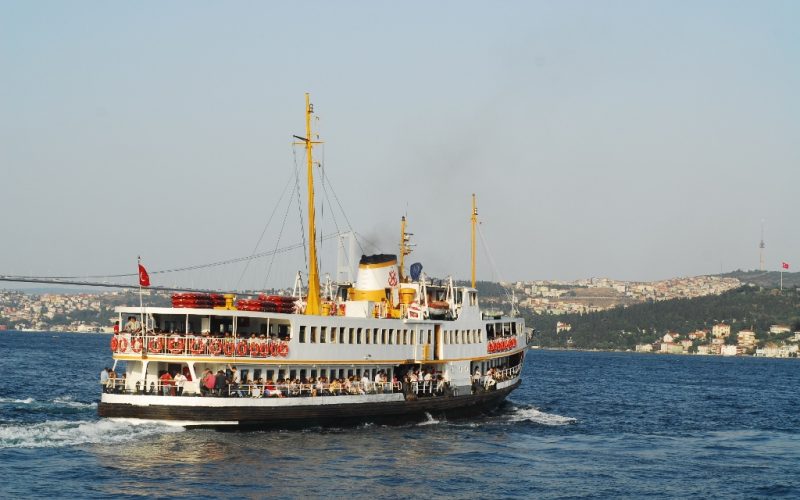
x=63 y=433
x=536 y=416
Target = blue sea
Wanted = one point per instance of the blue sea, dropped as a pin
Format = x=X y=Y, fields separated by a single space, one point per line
x=583 y=425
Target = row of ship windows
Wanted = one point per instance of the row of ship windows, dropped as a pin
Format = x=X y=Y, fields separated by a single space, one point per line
x=343 y=335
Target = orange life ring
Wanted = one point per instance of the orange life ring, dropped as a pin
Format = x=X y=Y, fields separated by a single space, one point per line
x=255 y=349
x=122 y=345
x=156 y=344
x=273 y=349
x=241 y=348
x=341 y=310
x=114 y=343
x=264 y=349
x=136 y=344
x=283 y=349
x=196 y=346
x=215 y=348
x=228 y=348
x=175 y=346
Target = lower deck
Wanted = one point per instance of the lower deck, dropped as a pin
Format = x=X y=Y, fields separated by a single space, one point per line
x=322 y=411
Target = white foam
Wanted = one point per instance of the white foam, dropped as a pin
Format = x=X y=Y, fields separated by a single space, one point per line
x=62 y=401
x=539 y=417
x=429 y=420
x=69 y=402
x=61 y=433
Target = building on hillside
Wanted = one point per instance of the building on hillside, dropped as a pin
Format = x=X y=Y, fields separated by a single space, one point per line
x=777 y=329
x=670 y=348
x=703 y=349
x=746 y=339
x=644 y=347
x=686 y=344
x=729 y=350
x=721 y=330
x=563 y=327
x=669 y=337
x=699 y=335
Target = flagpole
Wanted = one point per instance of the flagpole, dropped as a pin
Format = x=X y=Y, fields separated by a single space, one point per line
x=781 y=278
x=141 y=305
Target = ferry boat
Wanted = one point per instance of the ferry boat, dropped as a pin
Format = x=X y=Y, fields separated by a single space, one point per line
x=390 y=347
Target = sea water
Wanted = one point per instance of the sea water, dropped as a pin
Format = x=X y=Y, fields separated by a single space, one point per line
x=600 y=425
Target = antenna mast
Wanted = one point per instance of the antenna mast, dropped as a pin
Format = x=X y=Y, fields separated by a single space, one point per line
x=761 y=249
x=474 y=223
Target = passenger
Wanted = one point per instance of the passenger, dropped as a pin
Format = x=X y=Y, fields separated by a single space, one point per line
x=255 y=388
x=104 y=377
x=112 y=380
x=187 y=373
x=236 y=380
x=366 y=384
x=335 y=387
x=166 y=383
x=116 y=327
x=180 y=380
x=209 y=382
x=221 y=384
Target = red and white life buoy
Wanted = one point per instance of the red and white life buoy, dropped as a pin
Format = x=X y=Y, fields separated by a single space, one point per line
x=122 y=346
x=175 y=346
x=241 y=349
x=114 y=343
x=228 y=348
x=156 y=344
x=196 y=346
x=283 y=350
x=136 y=344
x=215 y=348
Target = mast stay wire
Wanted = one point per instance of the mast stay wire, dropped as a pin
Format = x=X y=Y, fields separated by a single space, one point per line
x=300 y=205
x=492 y=264
x=277 y=242
x=264 y=231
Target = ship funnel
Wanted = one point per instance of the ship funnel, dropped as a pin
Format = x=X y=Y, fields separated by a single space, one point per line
x=376 y=273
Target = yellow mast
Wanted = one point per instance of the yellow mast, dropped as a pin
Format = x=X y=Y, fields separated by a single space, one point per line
x=474 y=223
x=312 y=301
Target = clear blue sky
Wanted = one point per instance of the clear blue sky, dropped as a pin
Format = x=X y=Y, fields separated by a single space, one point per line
x=634 y=140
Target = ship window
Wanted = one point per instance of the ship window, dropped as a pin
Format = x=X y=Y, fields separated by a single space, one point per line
x=350 y=339
x=302 y=374
x=383 y=336
x=358 y=335
x=366 y=335
x=391 y=334
x=514 y=328
x=312 y=338
x=473 y=299
x=303 y=334
x=313 y=373
x=411 y=340
x=292 y=374
x=334 y=333
x=270 y=374
x=375 y=336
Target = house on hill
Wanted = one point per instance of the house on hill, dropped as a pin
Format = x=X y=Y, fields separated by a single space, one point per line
x=721 y=330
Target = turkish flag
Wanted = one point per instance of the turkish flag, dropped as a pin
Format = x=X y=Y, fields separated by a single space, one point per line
x=785 y=265
x=144 y=278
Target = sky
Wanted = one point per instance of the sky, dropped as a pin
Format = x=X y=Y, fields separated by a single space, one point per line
x=630 y=140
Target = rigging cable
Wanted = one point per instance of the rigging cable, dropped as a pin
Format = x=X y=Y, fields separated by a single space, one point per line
x=263 y=232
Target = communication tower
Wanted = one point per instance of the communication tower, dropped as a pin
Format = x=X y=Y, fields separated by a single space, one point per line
x=761 y=249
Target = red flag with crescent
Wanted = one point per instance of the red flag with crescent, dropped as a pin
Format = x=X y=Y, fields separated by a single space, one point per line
x=144 y=278
x=785 y=265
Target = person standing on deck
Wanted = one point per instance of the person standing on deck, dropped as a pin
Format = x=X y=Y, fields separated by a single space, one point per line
x=104 y=377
